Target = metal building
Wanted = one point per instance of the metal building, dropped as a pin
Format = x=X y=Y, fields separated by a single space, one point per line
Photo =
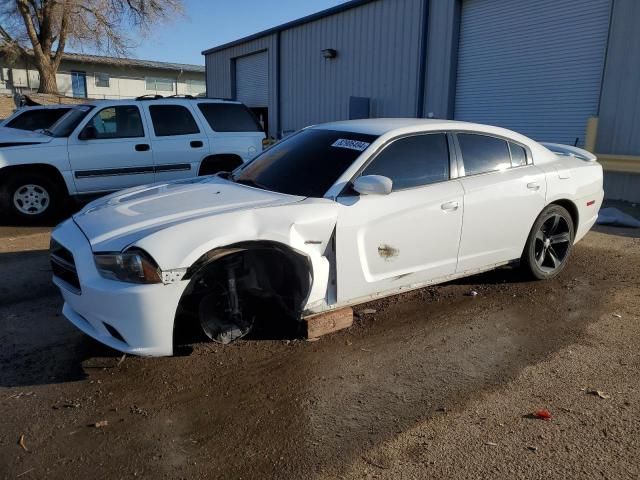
x=558 y=71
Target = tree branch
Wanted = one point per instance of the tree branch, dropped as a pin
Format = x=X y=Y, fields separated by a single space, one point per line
x=62 y=38
x=10 y=41
x=25 y=13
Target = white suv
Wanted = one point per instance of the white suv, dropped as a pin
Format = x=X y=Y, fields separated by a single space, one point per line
x=114 y=144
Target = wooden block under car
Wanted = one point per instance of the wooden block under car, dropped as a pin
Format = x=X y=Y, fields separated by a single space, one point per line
x=329 y=322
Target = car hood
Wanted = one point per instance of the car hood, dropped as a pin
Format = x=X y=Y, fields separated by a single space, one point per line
x=114 y=222
x=16 y=137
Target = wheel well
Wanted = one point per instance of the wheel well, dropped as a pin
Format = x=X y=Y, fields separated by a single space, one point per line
x=220 y=162
x=269 y=276
x=571 y=208
x=50 y=171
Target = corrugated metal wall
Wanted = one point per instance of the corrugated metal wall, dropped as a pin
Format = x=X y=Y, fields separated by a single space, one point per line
x=219 y=72
x=532 y=66
x=442 y=58
x=378 y=48
x=619 y=126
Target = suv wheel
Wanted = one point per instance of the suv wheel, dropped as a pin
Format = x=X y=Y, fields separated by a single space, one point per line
x=31 y=196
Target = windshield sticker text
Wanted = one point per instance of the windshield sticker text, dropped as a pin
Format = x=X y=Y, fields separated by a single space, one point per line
x=351 y=144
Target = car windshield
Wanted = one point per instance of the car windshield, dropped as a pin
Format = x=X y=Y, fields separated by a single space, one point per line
x=68 y=122
x=306 y=164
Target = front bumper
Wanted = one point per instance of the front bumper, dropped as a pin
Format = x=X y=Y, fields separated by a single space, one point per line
x=135 y=319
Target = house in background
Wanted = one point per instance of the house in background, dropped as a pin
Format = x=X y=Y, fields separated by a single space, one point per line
x=97 y=77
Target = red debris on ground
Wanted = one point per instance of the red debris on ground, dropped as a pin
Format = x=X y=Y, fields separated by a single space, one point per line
x=543 y=414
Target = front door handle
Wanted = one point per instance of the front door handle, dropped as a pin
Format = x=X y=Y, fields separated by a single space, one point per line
x=143 y=147
x=533 y=186
x=450 y=206
x=196 y=144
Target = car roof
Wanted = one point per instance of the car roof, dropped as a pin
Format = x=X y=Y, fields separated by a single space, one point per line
x=46 y=107
x=163 y=100
x=382 y=126
x=386 y=128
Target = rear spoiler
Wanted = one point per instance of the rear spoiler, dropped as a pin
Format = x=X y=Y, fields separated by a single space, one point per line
x=569 y=151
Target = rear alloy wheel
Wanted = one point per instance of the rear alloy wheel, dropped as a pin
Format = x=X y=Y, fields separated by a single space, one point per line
x=550 y=243
x=31 y=196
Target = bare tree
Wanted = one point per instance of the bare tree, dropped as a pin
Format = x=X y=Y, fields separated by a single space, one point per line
x=42 y=29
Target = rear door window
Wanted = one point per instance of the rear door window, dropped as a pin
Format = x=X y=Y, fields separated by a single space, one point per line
x=171 y=120
x=229 y=117
x=413 y=161
x=483 y=154
x=39 y=119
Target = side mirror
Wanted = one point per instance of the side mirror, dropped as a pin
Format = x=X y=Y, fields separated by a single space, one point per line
x=88 y=133
x=373 y=185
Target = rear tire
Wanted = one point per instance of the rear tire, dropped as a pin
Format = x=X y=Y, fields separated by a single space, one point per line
x=31 y=197
x=549 y=244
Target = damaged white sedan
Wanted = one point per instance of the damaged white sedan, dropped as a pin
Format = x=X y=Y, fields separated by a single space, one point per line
x=332 y=216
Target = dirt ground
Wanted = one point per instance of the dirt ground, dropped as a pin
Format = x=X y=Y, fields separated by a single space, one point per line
x=434 y=384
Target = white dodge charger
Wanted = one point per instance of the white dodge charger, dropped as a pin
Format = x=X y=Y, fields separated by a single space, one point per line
x=335 y=215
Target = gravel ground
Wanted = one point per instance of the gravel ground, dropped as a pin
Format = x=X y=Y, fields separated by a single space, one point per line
x=434 y=384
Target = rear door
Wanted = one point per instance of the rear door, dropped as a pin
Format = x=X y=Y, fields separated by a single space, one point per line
x=232 y=129
x=118 y=157
x=503 y=195
x=178 y=140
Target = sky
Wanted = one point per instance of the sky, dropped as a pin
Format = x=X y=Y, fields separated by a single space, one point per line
x=210 y=23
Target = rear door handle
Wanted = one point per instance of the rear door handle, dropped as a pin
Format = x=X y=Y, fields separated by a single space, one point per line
x=196 y=144
x=142 y=147
x=533 y=186
x=450 y=206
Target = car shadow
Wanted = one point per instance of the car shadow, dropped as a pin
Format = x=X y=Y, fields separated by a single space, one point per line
x=71 y=207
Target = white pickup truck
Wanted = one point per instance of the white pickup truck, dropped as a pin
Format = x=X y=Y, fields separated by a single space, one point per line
x=114 y=144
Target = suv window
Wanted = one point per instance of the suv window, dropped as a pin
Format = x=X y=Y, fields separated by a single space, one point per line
x=229 y=117
x=172 y=120
x=482 y=153
x=413 y=161
x=518 y=155
x=37 y=119
x=118 y=122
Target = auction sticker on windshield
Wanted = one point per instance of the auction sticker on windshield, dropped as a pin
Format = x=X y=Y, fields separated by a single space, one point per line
x=351 y=144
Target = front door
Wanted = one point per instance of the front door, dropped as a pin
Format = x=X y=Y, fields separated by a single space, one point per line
x=79 y=84
x=411 y=236
x=113 y=153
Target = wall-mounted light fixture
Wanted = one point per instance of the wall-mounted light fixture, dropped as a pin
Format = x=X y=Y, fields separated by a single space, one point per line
x=329 y=53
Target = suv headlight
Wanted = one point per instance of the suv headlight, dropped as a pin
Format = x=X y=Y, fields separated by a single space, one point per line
x=133 y=266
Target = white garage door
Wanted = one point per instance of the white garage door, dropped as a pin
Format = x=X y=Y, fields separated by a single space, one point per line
x=532 y=66
x=252 y=79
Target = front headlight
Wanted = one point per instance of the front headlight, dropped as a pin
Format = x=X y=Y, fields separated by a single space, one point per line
x=133 y=266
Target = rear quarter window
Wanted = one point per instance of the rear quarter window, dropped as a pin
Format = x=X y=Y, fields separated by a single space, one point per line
x=37 y=119
x=229 y=117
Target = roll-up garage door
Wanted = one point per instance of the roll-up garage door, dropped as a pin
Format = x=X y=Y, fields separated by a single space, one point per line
x=252 y=79
x=532 y=66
